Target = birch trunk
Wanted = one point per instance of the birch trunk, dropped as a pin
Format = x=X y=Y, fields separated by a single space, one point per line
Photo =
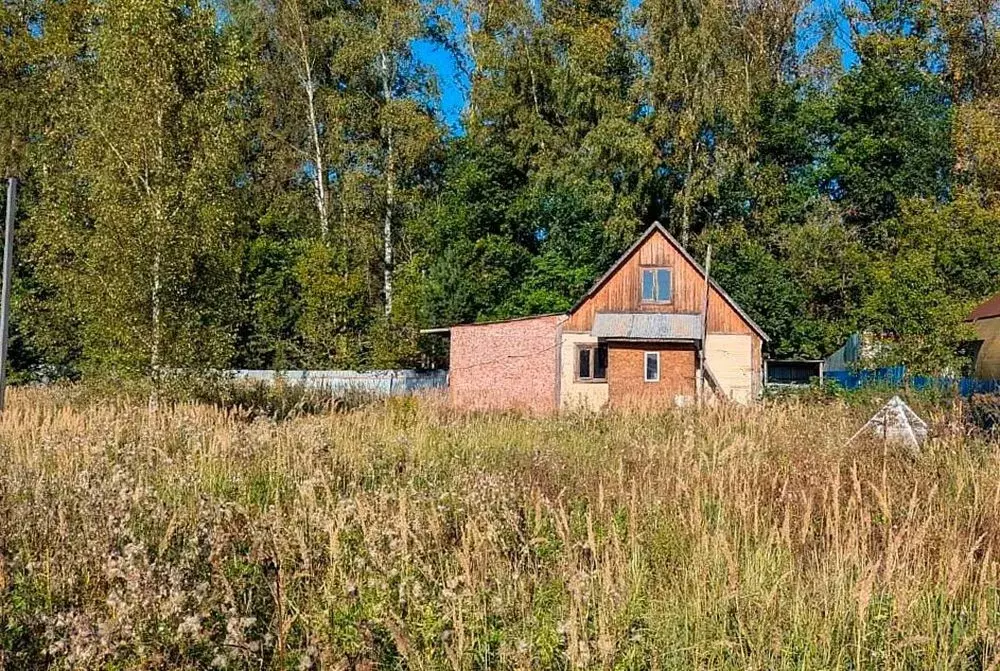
x=155 y=354
x=686 y=212
x=390 y=185
x=319 y=179
x=156 y=308
x=156 y=313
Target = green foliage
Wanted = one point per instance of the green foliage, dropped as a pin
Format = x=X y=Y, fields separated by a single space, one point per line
x=762 y=285
x=271 y=184
x=893 y=142
x=475 y=250
x=21 y=630
x=962 y=237
x=332 y=306
x=139 y=250
x=922 y=321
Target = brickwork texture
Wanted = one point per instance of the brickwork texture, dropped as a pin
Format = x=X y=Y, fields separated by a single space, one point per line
x=627 y=384
x=506 y=365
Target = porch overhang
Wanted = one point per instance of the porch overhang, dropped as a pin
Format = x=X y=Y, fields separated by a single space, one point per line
x=647 y=326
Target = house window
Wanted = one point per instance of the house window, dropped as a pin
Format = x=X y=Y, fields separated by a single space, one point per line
x=656 y=285
x=652 y=366
x=592 y=363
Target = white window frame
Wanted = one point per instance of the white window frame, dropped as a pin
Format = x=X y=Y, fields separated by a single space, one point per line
x=645 y=366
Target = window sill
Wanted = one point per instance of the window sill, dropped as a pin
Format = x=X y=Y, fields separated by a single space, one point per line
x=590 y=381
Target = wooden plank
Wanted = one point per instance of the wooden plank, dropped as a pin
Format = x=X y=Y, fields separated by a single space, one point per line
x=730 y=359
x=622 y=292
x=987 y=365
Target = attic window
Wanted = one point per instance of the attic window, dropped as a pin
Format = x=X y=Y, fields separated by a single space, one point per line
x=592 y=363
x=656 y=285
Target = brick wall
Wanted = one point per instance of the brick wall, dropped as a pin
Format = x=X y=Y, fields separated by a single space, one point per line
x=510 y=364
x=627 y=386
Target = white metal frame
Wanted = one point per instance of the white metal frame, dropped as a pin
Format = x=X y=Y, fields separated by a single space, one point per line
x=645 y=366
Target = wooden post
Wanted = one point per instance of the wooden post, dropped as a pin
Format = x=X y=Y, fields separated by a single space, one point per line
x=704 y=323
x=8 y=263
x=704 y=306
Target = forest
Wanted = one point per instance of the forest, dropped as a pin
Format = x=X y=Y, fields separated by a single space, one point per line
x=279 y=184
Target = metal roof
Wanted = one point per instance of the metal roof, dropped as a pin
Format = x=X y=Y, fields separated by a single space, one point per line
x=986 y=310
x=646 y=326
x=657 y=227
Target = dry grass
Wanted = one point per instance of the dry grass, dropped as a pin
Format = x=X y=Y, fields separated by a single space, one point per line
x=405 y=536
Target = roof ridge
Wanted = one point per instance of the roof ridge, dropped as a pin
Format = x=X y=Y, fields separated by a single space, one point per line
x=654 y=227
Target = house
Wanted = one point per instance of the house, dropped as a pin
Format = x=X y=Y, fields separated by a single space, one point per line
x=637 y=338
x=985 y=319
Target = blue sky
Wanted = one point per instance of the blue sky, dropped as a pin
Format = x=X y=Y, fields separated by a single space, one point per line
x=451 y=81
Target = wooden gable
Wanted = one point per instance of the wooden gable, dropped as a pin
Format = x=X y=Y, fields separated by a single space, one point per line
x=620 y=290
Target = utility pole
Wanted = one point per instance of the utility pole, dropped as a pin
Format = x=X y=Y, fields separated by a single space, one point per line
x=8 y=264
x=708 y=288
x=704 y=327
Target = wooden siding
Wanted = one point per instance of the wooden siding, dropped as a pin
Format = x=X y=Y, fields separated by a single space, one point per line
x=627 y=386
x=757 y=366
x=622 y=292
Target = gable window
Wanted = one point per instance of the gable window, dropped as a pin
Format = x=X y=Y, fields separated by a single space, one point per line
x=652 y=366
x=592 y=363
x=656 y=286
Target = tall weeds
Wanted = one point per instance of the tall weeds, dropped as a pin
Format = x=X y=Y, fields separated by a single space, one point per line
x=402 y=535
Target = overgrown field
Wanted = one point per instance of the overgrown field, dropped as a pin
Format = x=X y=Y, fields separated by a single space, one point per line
x=402 y=535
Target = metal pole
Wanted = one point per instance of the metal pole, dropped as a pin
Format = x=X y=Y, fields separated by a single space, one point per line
x=8 y=263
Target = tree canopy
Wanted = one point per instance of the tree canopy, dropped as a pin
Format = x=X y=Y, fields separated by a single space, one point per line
x=273 y=183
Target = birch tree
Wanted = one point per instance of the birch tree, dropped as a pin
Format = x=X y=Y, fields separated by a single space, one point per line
x=383 y=107
x=297 y=47
x=155 y=154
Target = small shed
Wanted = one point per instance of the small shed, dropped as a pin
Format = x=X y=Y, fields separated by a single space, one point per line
x=792 y=372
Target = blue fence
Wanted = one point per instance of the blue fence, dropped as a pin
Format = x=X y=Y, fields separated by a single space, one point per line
x=894 y=377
